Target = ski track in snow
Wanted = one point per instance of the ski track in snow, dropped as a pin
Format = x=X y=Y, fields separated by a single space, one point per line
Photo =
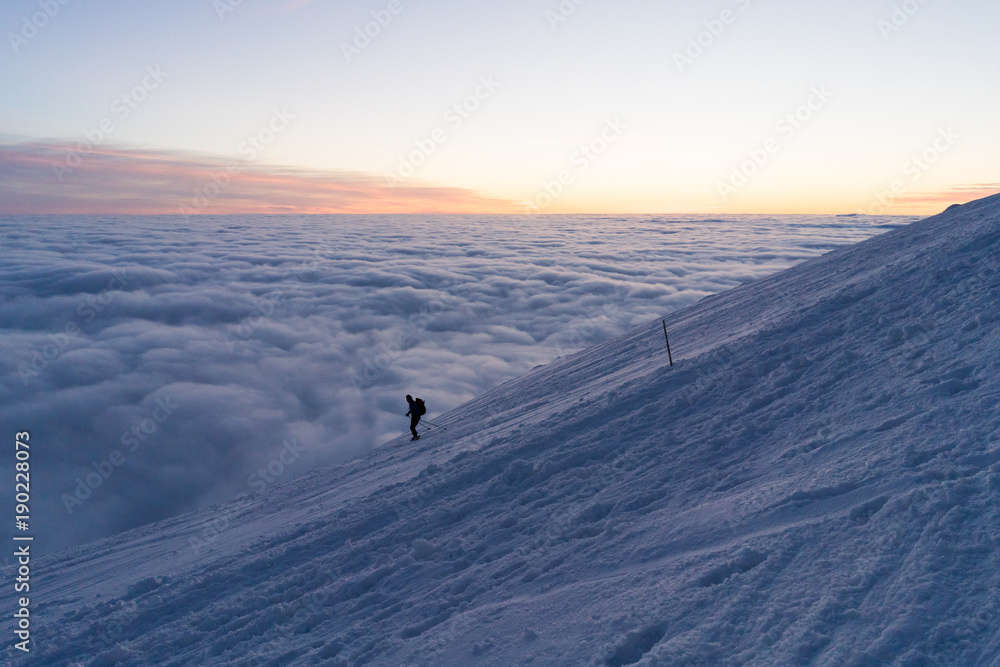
x=816 y=481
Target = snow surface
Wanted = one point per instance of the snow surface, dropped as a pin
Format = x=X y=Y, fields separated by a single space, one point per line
x=314 y=328
x=815 y=481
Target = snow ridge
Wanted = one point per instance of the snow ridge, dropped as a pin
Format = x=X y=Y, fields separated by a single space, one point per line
x=817 y=481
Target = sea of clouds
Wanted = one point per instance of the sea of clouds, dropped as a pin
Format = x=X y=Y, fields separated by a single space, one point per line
x=167 y=363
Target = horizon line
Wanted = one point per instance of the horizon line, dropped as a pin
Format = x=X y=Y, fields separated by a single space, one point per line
x=59 y=178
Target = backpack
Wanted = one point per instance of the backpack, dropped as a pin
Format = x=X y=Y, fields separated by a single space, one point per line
x=421 y=408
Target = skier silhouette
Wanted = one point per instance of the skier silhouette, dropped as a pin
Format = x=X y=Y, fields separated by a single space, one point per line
x=417 y=409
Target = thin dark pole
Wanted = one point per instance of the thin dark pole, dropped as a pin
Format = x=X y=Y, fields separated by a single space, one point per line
x=437 y=425
x=669 y=356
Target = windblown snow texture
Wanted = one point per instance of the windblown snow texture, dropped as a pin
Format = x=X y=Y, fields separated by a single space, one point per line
x=816 y=481
x=266 y=330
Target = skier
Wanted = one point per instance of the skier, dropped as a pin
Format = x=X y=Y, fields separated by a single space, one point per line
x=417 y=409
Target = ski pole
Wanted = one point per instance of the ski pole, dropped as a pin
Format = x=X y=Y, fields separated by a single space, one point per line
x=437 y=425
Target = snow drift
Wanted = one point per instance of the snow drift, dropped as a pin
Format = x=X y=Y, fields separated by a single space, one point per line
x=816 y=481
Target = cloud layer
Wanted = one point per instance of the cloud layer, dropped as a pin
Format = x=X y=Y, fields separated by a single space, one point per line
x=163 y=364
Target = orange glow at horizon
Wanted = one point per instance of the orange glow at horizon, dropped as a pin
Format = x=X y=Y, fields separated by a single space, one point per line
x=48 y=178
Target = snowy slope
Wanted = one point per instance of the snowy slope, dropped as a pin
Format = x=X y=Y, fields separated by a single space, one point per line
x=816 y=481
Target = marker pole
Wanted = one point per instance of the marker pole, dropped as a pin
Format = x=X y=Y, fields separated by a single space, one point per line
x=669 y=355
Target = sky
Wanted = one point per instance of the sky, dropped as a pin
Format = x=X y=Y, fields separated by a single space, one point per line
x=526 y=106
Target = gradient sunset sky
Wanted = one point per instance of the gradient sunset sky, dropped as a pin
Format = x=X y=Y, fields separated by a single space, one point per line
x=735 y=106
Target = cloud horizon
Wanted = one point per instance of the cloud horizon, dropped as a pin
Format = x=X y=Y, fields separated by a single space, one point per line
x=166 y=364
